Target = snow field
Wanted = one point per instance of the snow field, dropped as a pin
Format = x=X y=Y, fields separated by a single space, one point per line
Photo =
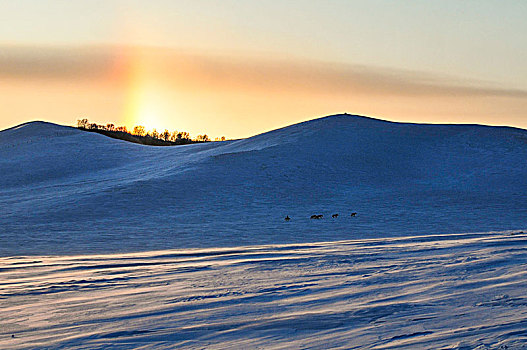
x=464 y=291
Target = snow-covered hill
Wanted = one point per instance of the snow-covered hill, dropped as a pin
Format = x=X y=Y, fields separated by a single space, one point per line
x=67 y=191
x=399 y=275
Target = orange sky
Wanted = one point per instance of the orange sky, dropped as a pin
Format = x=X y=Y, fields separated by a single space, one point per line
x=232 y=96
x=238 y=68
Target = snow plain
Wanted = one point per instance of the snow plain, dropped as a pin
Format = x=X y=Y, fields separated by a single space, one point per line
x=430 y=292
x=107 y=244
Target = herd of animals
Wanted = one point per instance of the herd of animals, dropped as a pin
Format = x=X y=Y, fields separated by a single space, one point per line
x=320 y=216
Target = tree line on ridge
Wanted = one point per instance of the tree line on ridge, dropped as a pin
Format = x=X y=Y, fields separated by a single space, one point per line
x=139 y=134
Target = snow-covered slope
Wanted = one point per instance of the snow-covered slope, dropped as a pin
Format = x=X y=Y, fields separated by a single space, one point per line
x=67 y=191
x=399 y=275
x=429 y=292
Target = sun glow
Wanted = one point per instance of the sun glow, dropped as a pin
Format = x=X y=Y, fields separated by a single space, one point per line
x=143 y=102
x=147 y=108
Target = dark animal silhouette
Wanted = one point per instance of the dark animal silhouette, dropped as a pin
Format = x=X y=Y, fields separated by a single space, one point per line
x=335 y=216
x=317 y=216
x=287 y=218
x=353 y=214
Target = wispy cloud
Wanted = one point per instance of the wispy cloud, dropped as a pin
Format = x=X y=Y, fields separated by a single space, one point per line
x=54 y=63
x=211 y=71
x=232 y=95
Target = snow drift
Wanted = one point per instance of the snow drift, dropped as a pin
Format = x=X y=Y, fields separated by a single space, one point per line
x=63 y=190
x=429 y=292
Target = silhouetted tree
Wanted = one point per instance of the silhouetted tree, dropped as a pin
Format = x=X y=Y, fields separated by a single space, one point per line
x=202 y=138
x=165 y=135
x=82 y=123
x=153 y=137
x=139 y=130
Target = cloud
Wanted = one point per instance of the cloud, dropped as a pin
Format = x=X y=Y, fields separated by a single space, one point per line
x=54 y=63
x=202 y=71
x=337 y=78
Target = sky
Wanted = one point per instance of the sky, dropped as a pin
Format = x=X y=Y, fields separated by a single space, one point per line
x=238 y=68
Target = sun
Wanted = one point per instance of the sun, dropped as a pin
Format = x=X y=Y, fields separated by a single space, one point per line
x=148 y=113
x=143 y=110
x=143 y=96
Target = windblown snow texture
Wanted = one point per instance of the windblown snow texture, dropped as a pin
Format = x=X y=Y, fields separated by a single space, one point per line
x=456 y=291
x=64 y=191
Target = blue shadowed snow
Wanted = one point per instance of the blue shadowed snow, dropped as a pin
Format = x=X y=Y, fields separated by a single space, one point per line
x=459 y=291
x=64 y=191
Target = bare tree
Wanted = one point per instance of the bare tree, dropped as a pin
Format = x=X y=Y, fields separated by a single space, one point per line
x=82 y=123
x=179 y=137
x=165 y=135
x=202 y=138
x=139 y=130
